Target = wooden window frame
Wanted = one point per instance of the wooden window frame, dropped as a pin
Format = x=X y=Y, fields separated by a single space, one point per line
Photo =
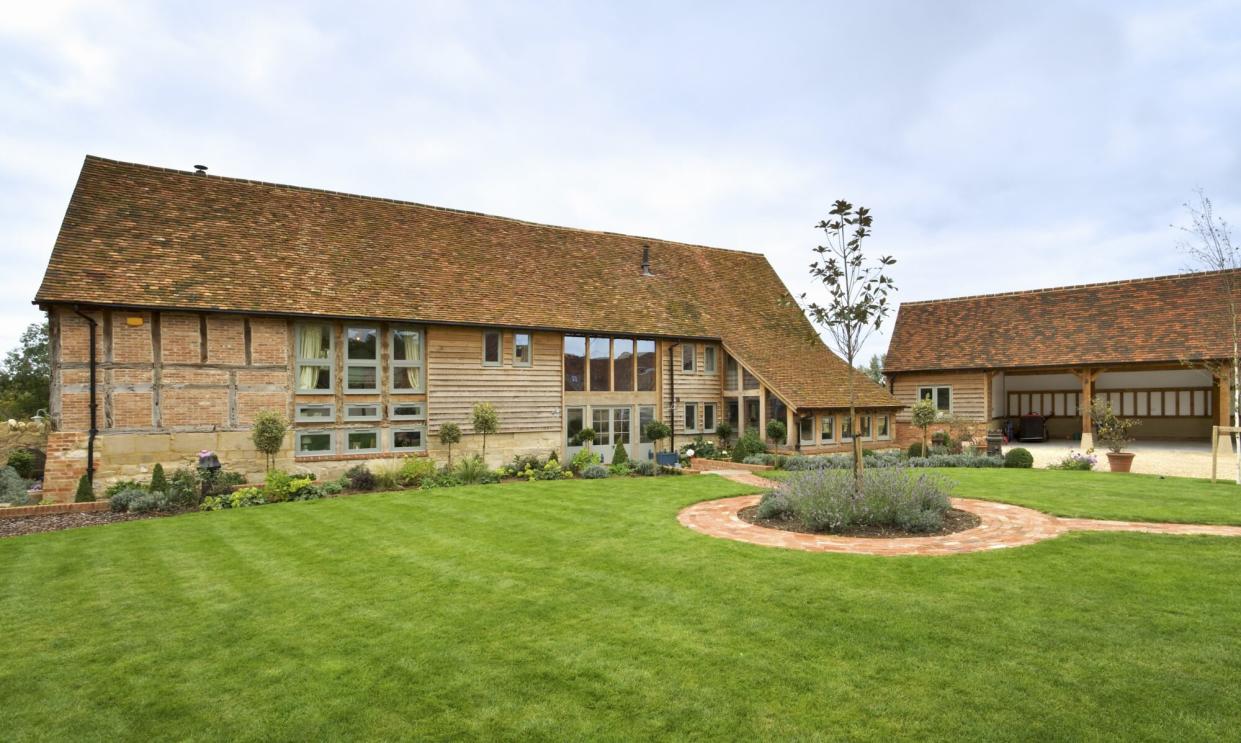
x=420 y=430
x=397 y=366
x=375 y=363
x=329 y=363
x=355 y=431
x=685 y=407
x=499 y=361
x=517 y=362
x=421 y=415
x=710 y=359
x=303 y=433
x=692 y=348
x=814 y=429
x=298 y=417
x=831 y=420
x=714 y=417
x=378 y=415
x=935 y=388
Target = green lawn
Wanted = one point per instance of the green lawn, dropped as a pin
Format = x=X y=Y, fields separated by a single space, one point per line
x=1099 y=495
x=583 y=610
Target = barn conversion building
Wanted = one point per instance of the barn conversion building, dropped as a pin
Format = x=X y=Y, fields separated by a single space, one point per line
x=1156 y=349
x=194 y=302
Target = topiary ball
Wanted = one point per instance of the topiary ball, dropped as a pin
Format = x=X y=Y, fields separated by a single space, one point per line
x=1019 y=459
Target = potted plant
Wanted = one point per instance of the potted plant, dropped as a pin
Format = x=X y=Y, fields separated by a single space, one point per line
x=1114 y=433
x=657 y=431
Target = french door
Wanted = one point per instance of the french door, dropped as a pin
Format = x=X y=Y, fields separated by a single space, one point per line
x=612 y=425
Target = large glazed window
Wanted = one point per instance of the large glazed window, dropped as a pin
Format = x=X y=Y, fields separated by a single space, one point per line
x=407 y=354
x=646 y=365
x=574 y=363
x=749 y=381
x=361 y=360
x=730 y=373
x=314 y=357
x=600 y=363
x=646 y=414
x=575 y=421
x=622 y=365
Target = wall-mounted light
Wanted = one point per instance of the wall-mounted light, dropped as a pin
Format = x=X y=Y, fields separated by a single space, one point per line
x=134 y=322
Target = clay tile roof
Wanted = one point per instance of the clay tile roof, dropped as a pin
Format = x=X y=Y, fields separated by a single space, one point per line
x=142 y=236
x=1161 y=319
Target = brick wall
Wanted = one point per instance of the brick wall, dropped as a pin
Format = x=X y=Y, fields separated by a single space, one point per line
x=159 y=373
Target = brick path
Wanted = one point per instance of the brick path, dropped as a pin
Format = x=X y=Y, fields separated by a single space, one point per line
x=1003 y=525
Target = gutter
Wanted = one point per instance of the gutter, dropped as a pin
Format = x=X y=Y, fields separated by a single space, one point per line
x=672 y=397
x=94 y=420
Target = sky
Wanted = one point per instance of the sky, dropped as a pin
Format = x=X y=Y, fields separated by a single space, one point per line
x=999 y=146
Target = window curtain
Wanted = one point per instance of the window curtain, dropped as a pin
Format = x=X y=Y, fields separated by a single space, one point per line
x=412 y=353
x=309 y=346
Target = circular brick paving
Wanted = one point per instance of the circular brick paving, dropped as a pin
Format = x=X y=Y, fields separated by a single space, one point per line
x=1003 y=525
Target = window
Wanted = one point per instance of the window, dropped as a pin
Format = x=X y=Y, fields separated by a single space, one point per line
x=601 y=420
x=776 y=409
x=646 y=414
x=881 y=426
x=941 y=396
x=407 y=411
x=691 y=416
x=575 y=420
x=748 y=380
x=574 y=363
x=314 y=358
x=523 y=349
x=730 y=373
x=314 y=442
x=364 y=412
x=357 y=442
x=361 y=360
x=689 y=352
x=407 y=355
x=492 y=341
x=734 y=414
x=646 y=365
x=863 y=426
x=708 y=359
x=600 y=351
x=408 y=439
x=315 y=413
x=708 y=417
x=806 y=429
x=846 y=428
x=622 y=364
x=827 y=428
x=620 y=431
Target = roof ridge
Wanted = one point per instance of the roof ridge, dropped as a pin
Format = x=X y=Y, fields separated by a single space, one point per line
x=404 y=202
x=1070 y=287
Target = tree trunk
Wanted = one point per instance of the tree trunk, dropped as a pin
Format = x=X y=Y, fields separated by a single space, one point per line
x=853 y=429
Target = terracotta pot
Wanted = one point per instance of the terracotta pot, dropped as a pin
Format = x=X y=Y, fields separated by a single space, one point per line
x=1120 y=461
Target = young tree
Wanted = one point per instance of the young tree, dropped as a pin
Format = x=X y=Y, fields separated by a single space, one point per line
x=585 y=437
x=923 y=414
x=1210 y=247
x=84 y=493
x=657 y=431
x=268 y=435
x=777 y=432
x=724 y=432
x=450 y=433
x=159 y=482
x=25 y=376
x=486 y=421
x=857 y=295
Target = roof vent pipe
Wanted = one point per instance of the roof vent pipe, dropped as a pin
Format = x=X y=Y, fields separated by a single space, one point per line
x=646 y=260
x=200 y=170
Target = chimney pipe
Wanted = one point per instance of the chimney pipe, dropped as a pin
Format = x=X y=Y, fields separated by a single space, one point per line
x=200 y=170
x=646 y=260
